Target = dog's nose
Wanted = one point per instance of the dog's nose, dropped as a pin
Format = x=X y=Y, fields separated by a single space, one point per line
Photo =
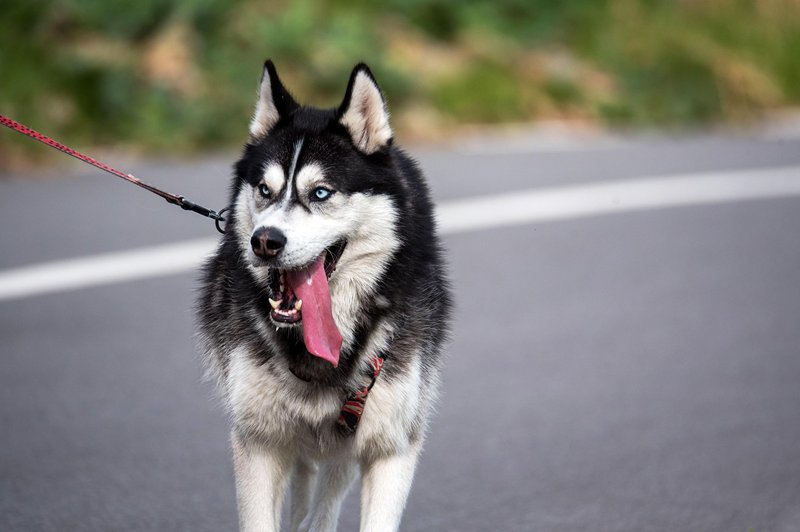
x=267 y=242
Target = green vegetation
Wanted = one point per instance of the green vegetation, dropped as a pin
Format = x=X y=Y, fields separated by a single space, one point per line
x=167 y=76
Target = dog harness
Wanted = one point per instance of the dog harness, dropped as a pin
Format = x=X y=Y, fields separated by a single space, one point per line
x=353 y=408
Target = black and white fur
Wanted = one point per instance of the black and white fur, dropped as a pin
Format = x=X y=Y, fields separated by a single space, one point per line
x=389 y=295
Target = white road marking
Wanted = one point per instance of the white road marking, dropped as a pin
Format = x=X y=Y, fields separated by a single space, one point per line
x=107 y=268
x=457 y=216
x=613 y=197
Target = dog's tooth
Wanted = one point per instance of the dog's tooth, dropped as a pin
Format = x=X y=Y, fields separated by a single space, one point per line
x=298 y=304
x=275 y=304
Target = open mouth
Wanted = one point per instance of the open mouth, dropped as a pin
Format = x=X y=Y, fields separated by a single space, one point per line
x=287 y=307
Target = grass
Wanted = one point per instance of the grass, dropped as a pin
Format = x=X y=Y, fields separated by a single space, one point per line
x=171 y=76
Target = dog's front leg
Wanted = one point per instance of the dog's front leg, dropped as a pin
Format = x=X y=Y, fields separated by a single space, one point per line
x=385 y=483
x=333 y=480
x=305 y=473
x=261 y=477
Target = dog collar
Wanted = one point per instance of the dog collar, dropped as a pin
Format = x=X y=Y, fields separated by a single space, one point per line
x=353 y=407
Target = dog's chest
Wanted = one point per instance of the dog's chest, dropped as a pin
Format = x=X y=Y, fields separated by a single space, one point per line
x=279 y=409
x=273 y=406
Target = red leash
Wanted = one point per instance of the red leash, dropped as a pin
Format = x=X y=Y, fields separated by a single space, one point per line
x=180 y=201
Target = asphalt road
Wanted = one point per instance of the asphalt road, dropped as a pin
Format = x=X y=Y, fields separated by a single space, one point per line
x=632 y=372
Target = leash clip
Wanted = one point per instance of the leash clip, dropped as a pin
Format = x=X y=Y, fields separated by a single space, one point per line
x=188 y=205
x=219 y=218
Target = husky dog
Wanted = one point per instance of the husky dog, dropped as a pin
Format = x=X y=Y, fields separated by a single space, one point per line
x=324 y=311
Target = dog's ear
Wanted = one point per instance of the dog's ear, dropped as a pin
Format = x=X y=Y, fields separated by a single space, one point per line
x=274 y=102
x=363 y=112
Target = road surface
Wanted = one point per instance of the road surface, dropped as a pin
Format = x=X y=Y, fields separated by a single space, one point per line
x=622 y=365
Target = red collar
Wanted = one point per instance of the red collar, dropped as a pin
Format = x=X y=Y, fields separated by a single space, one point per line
x=353 y=407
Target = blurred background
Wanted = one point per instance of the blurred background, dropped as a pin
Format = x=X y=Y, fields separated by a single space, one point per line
x=164 y=76
x=618 y=191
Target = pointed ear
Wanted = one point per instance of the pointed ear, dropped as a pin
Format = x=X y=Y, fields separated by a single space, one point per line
x=274 y=102
x=363 y=112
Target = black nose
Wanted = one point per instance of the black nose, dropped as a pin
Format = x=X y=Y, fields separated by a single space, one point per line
x=267 y=242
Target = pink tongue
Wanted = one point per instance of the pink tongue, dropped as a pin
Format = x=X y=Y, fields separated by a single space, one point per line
x=320 y=334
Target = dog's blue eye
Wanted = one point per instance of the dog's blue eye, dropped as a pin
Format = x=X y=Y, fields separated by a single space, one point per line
x=322 y=193
x=264 y=190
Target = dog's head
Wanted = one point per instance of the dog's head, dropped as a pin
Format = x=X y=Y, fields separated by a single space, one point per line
x=315 y=206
